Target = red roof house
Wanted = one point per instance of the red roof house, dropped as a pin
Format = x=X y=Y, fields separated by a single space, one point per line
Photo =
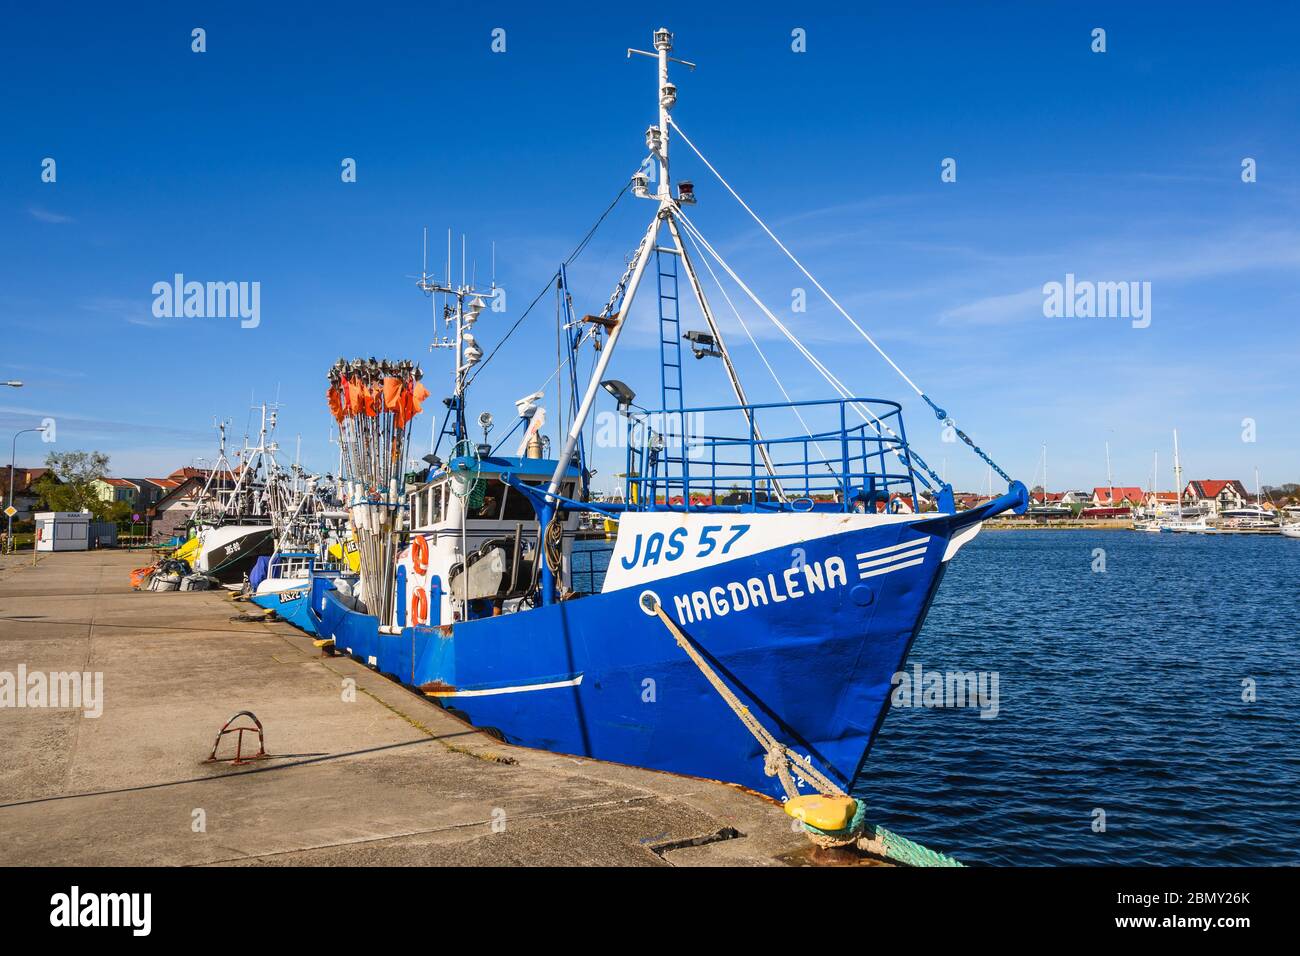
x=1117 y=497
x=1216 y=493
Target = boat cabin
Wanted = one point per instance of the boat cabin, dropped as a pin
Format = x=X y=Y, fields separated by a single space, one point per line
x=473 y=547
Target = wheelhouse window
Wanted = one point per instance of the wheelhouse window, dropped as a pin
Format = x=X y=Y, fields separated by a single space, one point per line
x=427 y=505
x=490 y=509
x=519 y=507
x=433 y=503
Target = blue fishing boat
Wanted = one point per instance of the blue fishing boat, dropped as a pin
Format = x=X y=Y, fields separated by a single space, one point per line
x=283 y=584
x=772 y=566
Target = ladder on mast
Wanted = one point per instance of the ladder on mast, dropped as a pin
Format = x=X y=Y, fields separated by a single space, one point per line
x=670 y=331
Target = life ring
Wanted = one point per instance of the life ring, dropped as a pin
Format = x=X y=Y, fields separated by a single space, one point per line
x=419 y=607
x=419 y=554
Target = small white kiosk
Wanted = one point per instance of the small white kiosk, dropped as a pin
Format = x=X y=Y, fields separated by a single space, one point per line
x=62 y=530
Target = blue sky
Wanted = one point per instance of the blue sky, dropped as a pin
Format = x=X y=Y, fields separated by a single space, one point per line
x=224 y=166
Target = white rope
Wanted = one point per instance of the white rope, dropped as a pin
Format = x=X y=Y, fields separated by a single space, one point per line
x=754 y=342
x=866 y=414
x=820 y=288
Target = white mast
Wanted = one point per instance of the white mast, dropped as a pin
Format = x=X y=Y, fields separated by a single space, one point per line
x=658 y=142
x=1178 y=476
x=1044 y=474
x=1109 y=477
x=1155 y=478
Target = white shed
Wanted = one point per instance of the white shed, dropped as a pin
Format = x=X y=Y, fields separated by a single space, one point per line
x=62 y=530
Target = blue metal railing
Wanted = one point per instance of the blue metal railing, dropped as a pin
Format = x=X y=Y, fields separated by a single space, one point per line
x=588 y=562
x=853 y=457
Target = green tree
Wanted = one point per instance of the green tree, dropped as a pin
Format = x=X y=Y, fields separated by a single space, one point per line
x=73 y=491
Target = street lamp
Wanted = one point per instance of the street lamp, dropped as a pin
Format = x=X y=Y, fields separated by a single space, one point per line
x=13 y=459
x=14 y=384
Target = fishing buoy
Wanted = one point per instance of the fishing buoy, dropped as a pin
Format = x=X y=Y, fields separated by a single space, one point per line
x=419 y=607
x=419 y=554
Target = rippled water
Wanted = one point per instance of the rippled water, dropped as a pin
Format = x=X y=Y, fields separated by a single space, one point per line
x=1119 y=691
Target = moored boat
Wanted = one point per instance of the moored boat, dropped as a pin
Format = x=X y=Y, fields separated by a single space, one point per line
x=765 y=583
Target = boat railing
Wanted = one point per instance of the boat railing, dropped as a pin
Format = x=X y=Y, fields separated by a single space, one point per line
x=847 y=455
x=588 y=563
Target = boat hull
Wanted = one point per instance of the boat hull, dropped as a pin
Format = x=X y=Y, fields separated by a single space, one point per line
x=230 y=551
x=292 y=603
x=809 y=639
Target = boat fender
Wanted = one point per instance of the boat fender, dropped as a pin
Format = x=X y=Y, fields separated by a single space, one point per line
x=419 y=554
x=419 y=606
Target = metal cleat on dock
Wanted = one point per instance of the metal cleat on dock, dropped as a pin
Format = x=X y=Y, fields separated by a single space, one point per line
x=239 y=758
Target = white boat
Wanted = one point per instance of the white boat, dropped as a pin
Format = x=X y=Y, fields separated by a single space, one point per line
x=1247 y=520
x=1199 y=524
x=1045 y=508
x=1291 y=530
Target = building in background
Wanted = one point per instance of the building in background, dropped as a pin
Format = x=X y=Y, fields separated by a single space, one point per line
x=1213 y=495
x=1118 y=497
x=62 y=530
x=181 y=490
x=25 y=497
x=113 y=490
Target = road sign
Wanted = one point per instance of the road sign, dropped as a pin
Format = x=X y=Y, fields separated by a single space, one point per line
x=135 y=519
x=11 y=511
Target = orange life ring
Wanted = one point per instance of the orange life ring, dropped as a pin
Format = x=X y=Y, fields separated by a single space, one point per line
x=419 y=554
x=419 y=606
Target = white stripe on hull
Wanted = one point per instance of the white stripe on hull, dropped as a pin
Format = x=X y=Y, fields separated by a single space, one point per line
x=493 y=691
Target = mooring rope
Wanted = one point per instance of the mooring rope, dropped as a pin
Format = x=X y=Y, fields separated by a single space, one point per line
x=779 y=759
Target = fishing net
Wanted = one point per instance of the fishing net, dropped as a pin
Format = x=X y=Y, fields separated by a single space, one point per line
x=374 y=402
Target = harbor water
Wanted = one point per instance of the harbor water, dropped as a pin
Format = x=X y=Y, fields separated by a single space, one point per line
x=1120 y=691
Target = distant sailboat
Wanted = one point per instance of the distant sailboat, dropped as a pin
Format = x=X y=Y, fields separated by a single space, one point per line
x=1182 y=521
x=1149 y=519
x=1045 y=509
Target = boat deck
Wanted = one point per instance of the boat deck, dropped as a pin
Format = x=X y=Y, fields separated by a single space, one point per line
x=389 y=779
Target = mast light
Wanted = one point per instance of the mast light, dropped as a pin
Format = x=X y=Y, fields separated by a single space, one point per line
x=622 y=394
x=703 y=344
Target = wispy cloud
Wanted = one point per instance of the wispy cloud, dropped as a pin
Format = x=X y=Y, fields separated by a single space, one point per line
x=80 y=427
x=1150 y=259
x=45 y=371
x=45 y=215
x=997 y=309
x=134 y=311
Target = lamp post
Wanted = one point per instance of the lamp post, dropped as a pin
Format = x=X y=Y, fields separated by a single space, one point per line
x=13 y=458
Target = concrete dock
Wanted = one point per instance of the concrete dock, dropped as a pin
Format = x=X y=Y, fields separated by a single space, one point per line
x=362 y=772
